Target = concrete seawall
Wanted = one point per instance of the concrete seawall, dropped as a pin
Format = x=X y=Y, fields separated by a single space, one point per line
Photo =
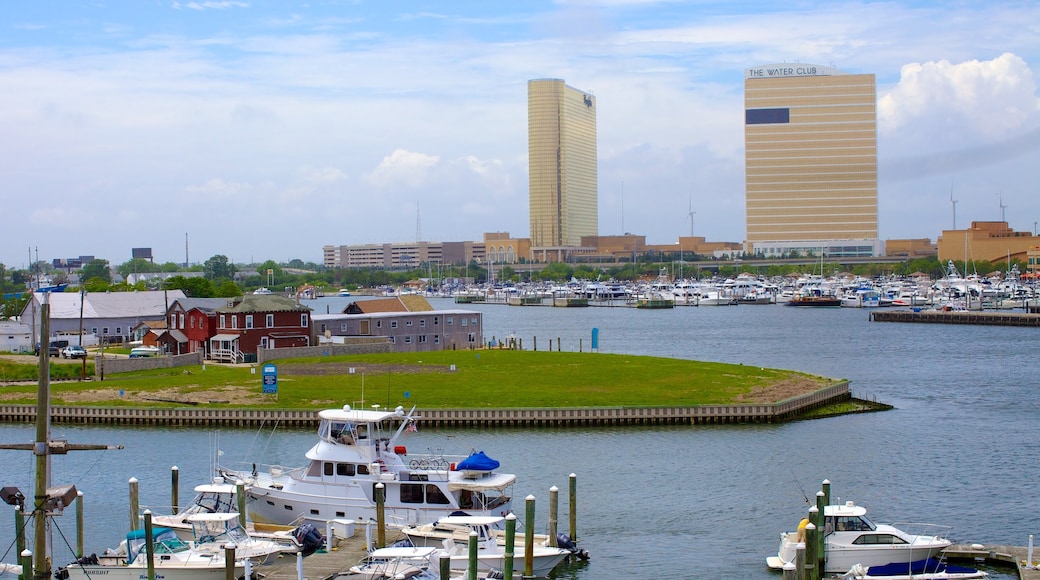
x=541 y=417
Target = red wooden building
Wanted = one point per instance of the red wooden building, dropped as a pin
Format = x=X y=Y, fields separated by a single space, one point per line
x=254 y=321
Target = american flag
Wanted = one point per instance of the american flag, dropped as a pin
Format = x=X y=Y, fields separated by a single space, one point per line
x=411 y=427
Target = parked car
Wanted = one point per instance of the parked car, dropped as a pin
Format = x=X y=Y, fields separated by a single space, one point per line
x=144 y=351
x=74 y=351
x=53 y=350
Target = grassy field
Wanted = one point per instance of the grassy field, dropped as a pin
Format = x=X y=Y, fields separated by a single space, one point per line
x=480 y=379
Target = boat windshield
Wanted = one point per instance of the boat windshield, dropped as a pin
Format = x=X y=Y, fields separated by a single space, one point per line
x=344 y=432
x=223 y=531
x=164 y=541
x=850 y=524
x=212 y=502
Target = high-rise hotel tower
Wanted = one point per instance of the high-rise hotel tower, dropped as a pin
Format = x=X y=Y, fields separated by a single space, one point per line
x=810 y=140
x=561 y=146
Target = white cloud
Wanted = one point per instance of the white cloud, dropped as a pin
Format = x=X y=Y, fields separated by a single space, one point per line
x=986 y=98
x=402 y=168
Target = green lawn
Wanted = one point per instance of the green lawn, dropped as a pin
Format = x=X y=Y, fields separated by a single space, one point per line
x=481 y=379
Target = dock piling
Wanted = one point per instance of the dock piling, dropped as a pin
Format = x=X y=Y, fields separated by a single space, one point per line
x=529 y=537
x=134 y=506
x=174 y=490
x=149 y=549
x=554 y=508
x=574 y=506
x=507 y=567
x=79 y=524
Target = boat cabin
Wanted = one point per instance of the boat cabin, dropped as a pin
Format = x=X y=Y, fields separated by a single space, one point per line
x=847 y=517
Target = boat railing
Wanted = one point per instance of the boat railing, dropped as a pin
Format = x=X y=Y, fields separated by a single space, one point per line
x=432 y=461
x=924 y=529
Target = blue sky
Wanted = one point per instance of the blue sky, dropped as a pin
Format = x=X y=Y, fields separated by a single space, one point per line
x=265 y=130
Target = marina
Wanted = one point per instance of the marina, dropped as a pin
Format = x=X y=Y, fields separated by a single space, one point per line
x=963 y=429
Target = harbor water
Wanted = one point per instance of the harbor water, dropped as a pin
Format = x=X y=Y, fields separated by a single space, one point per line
x=959 y=449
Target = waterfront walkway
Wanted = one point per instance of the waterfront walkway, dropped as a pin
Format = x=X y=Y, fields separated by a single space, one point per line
x=523 y=417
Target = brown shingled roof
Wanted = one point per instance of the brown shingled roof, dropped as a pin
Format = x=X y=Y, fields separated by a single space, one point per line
x=405 y=303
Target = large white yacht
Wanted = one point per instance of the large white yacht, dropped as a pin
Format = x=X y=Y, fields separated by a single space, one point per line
x=358 y=449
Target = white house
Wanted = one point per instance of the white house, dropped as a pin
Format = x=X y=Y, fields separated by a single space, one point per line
x=15 y=337
x=108 y=315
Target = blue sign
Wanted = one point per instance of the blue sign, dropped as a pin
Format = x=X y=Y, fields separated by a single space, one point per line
x=270 y=378
x=595 y=338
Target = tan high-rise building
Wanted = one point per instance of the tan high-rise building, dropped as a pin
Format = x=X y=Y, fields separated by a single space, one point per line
x=810 y=138
x=561 y=145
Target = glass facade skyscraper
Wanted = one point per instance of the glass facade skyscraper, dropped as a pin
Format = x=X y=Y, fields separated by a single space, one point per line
x=810 y=137
x=562 y=164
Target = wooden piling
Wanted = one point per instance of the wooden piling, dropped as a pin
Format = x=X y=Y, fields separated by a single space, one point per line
x=149 y=549
x=529 y=537
x=79 y=524
x=474 y=545
x=573 y=506
x=507 y=568
x=175 y=490
x=240 y=495
x=134 y=505
x=380 y=515
x=554 y=508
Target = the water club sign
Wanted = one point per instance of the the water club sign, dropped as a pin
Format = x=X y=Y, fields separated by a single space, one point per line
x=789 y=70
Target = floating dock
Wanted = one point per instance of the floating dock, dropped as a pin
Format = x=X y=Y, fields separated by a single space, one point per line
x=958 y=317
x=997 y=554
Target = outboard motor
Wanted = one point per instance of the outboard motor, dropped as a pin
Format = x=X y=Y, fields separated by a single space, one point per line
x=564 y=541
x=309 y=538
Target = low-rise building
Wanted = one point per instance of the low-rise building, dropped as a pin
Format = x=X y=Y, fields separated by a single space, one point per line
x=110 y=316
x=409 y=322
x=991 y=241
x=254 y=321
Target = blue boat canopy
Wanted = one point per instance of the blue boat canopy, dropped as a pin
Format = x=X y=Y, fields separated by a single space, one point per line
x=478 y=462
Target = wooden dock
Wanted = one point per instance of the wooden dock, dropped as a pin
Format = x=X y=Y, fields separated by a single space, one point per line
x=323 y=565
x=997 y=554
x=988 y=318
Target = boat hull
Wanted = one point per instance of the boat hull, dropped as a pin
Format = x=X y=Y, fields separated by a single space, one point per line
x=171 y=572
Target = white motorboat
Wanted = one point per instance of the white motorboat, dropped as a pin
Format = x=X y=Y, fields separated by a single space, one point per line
x=850 y=539
x=358 y=449
x=490 y=551
x=213 y=531
x=458 y=528
x=220 y=498
x=174 y=559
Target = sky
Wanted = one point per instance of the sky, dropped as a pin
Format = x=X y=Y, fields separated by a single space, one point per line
x=265 y=130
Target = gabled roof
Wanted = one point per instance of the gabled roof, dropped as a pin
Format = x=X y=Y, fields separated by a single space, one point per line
x=206 y=305
x=262 y=303
x=405 y=303
x=66 y=305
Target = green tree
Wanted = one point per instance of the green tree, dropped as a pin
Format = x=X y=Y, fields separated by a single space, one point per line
x=227 y=289
x=194 y=287
x=96 y=268
x=136 y=266
x=218 y=268
x=96 y=284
